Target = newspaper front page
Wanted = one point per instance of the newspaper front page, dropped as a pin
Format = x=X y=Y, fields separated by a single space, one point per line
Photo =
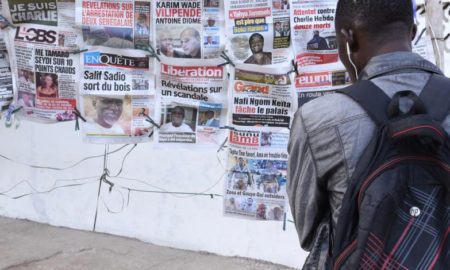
x=45 y=12
x=115 y=23
x=117 y=95
x=189 y=28
x=45 y=71
x=263 y=99
x=314 y=37
x=255 y=187
x=192 y=102
x=316 y=81
x=259 y=32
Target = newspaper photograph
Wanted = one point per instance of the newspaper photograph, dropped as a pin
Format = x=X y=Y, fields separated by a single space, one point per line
x=189 y=28
x=263 y=99
x=6 y=81
x=115 y=23
x=45 y=71
x=314 y=37
x=259 y=32
x=255 y=187
x=192 y=99
x=44 y=12
x=117 y=95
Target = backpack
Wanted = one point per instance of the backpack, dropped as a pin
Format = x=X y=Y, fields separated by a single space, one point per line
x=396 y=211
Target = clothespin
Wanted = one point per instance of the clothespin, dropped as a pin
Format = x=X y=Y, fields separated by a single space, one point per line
x=78 y=115
x=150 y=120
x=284 y=222
x=222 y=146
x=78 y=51
x=9 y=119
x=4 y=23
x=294 y=68
x=420 y=36
x=104 y=179
x=152 y=52
x=227 y=59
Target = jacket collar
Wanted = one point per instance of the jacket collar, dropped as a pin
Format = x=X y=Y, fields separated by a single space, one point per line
x=394 y=62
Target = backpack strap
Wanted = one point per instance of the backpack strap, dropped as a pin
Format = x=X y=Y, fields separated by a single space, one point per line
x=436 y=96
x=371 y=98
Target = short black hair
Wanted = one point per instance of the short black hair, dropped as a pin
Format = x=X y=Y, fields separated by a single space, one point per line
x=374 y=15
x=253 y=36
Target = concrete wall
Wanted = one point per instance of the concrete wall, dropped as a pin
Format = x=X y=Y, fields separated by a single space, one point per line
x=186 y=222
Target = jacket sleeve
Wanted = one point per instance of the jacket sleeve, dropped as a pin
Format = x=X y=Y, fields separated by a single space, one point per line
x=307 y=197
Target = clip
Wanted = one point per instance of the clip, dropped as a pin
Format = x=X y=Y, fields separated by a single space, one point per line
x=4 y=23
x=78 y=51
x=150 y=120
x=420 y=36
x=153 y=53
x=227 y=127
x=294 y=68
x=10 y=115
x=227 y=59
x=223 y=146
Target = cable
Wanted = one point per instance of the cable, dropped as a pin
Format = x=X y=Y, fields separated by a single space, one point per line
x=123 y=160
x=63 y=168
x=47 y=191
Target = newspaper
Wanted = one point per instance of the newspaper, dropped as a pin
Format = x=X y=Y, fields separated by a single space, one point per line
x=45 y=71
x=192 y=102
x=115 y=23
x=255 y=187
x=316 y=81
x=6 y=83
x=117 y=95
x=314 y=37
x=45 y=12
x=189 y=28
x=259 y=32
x=263 y=99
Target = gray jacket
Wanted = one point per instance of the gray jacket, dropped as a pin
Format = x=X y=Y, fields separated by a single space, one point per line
x=328 y=136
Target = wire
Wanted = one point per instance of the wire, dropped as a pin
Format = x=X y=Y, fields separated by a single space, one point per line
x=63 y=168
x=123 y=160
x=46 y=191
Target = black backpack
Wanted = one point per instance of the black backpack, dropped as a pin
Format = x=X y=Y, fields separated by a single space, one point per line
x=396 y=211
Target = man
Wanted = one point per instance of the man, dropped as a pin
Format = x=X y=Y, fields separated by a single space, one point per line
x=277 y=31
x=286 y=30
x=210 y=41
x=269 y=178
x=141 y=27
x=166 y=45
x=317 y=42
x=329 y=134
x=259 y=57
x=210 y=120
x=239 y=177
x=190 y=42
x=108 y=111
x=176 y=124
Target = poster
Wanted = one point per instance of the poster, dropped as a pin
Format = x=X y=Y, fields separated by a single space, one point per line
x=262 y=99
x=44 y=12
x=192 y=100
x=259 y=32
x=45 y=71
x=255 y=187
x=117 y=95
x=314 y=37
x=115 y=23
x=189 y=28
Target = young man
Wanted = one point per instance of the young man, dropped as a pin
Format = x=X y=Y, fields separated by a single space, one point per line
x=330 y=133
x=259 y=57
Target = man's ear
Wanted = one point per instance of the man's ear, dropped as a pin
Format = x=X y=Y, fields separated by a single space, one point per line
x=349 y=37
x=413 y=32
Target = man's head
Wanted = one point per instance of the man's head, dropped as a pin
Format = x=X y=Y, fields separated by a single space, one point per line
x=278 y=26
x=209 y=114
x=286 y=26
x=165 y=42
x=209 y=39
x=108 y=110
x=241 y=162
x=142 y=18
x=256 y=43
x=371 y=28
x=211 y=22
x=190 y=41
x=177 y=116
x=316 y=33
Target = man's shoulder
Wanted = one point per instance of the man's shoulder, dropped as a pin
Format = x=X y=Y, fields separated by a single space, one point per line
x=327 y=111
